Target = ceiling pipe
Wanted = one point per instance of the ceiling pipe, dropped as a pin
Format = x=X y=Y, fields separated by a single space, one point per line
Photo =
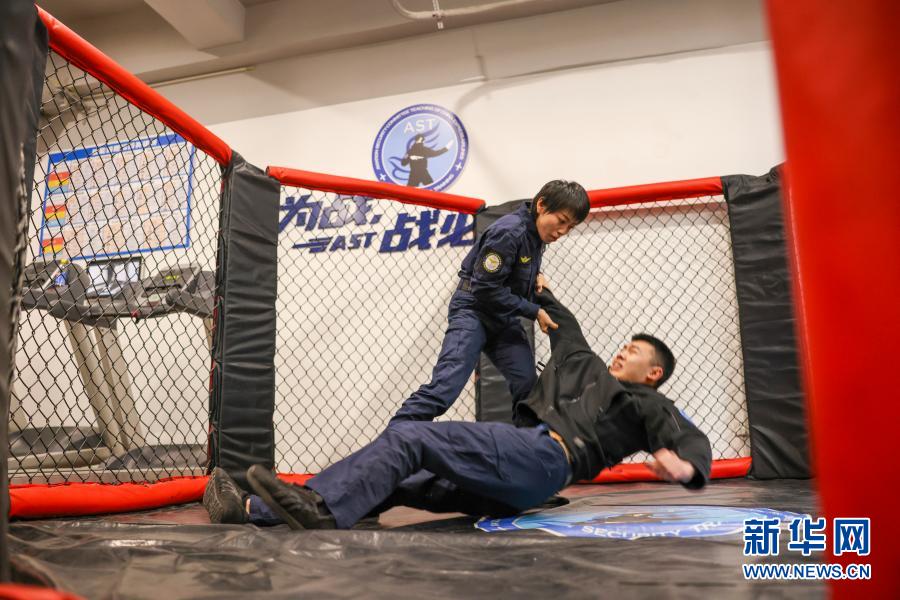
x=438 y=14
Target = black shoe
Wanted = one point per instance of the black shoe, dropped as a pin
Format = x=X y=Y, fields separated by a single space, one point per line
x=554 y=501
x=223 y=499
x=299 y=506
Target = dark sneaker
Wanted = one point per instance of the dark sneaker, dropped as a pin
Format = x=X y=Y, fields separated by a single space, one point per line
x=554 y=501
x=223 y=499
x=300 y=507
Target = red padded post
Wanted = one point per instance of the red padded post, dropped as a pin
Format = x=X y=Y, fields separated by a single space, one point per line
x=838 y=65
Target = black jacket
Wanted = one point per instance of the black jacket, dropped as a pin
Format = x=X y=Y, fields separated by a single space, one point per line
x=601 y=419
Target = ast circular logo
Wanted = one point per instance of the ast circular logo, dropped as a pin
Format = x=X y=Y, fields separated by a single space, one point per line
x=423 y=145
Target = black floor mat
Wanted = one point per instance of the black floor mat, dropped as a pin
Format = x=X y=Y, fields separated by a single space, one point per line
x=175 y=553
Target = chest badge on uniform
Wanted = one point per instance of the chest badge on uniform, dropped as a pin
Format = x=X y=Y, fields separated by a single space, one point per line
x=525 y=259
x=492 y=262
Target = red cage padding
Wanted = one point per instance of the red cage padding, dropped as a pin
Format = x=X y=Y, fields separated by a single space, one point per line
x=723 y=468
x=86 y=57
x=376 y=189
x=16 y=591
x=655 y=192
x=79 y=499
x=74 y=499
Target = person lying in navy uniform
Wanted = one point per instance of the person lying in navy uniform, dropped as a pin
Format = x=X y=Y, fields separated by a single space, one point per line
x=498 y=280
x=581 y=417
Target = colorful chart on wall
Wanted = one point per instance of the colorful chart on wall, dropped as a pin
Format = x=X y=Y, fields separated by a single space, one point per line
x=120 y=198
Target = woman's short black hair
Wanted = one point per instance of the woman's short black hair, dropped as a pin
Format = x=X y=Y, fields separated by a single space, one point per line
x=664 y=356
x=564 y=195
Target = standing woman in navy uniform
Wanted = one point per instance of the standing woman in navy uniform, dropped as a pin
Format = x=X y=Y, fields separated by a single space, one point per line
x=498 y=280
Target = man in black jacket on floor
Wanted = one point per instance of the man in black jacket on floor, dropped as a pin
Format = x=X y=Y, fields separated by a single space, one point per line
x=581 y=417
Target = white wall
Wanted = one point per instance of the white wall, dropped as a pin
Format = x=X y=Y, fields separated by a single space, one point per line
x=307 y=53
x=696 y=114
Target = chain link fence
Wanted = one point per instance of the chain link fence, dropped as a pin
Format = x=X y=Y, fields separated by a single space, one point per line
x=113 y=351
x=364 y=286
x=662 y=268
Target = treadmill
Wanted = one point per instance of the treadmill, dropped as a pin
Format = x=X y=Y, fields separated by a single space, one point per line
x=50 y=286
x=90 y=302
x=182 y=289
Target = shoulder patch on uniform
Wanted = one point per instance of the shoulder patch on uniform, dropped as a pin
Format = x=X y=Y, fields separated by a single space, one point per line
x=492 y=262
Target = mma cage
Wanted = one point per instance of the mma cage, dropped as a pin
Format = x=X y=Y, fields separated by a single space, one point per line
x=181 y=308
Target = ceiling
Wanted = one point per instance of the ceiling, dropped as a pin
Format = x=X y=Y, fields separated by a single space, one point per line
x=77 y=10
x=70 y=11
x=158 y=40
x=270 y=56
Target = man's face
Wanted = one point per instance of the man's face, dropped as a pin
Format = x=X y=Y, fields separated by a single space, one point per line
x=634 y=363
x=553 y=225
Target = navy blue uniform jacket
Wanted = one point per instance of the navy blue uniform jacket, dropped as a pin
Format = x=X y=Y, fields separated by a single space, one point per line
x=503 y=266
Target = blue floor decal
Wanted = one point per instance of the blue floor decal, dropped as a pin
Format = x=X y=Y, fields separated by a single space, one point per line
x=634 y=522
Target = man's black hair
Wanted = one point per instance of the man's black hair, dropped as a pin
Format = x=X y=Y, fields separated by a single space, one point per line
x=564 y=195
x=664 y=356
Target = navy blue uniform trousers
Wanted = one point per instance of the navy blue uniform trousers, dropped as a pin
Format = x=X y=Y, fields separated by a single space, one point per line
x=514 y=467
x=504 y=342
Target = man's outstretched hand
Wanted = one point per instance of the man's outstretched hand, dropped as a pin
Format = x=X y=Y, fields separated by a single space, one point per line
x=669 y=467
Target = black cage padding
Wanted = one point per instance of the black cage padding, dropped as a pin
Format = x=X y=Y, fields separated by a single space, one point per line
x=32 y=104
x=23 y=51
x=243 y=386
x=775 y=402
x=493 y=402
